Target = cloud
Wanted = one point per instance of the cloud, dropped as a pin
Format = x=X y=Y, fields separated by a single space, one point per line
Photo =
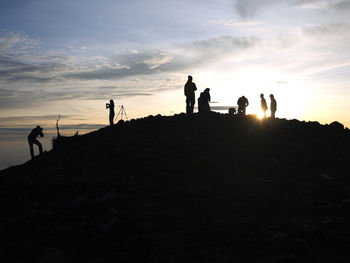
x=112 y=73
x=342 y=5
x=197 y=53
x=224 y=44
x=16 y=68
x=236 y=23
x=249 y=8
x=23 y=130
x=35 y=117
x=23 y=65
x=329 y=32
x=10 y=98
x=18 y=41
x=10 y=66
x=220 y=108
x=35 y=77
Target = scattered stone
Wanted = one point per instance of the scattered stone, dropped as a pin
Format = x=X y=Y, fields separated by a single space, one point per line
x=192 y=189
x=111 y=222
x=336 y=126
x=110 y=197
x=346 y=201
x=53 y=255
x=80 y=200
x=325 y=176
x=113 y=211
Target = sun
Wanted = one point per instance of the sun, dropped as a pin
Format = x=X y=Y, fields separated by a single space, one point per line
x=260 y=115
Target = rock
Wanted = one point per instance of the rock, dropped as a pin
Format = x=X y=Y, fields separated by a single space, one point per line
x=113 y=211
x=346 y=201
x=53 y=255
x=96 y=202
x=110 y=197
x=80 y=200
x=279 y=236
x=302 y=245
x=325 y=176
x=336 y=126
x=111 y=222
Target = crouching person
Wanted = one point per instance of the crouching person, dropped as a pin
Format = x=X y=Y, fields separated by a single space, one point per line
x=32 y=139
x=203 y=101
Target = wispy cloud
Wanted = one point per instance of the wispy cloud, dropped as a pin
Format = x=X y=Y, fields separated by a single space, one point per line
x=23 y=130
x=329 y=32
x=248 y=9
x=18 y=41
x=150 y=62
x=338 y=5
x=342 y=5
x=236 y=23
x=36 y=117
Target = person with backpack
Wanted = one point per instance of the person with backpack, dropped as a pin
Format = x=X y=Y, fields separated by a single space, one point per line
x=242 y=105
x=203 y=101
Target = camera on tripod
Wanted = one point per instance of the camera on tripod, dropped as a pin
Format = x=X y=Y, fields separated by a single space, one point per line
x=107 y=105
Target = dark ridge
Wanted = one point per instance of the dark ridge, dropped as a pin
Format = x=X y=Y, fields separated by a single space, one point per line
x=214 y=188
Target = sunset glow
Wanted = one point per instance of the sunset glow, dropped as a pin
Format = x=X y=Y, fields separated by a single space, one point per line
x=70 y=58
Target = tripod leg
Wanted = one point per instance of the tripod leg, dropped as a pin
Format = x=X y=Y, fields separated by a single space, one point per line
x=116 y=118
x=125 y=115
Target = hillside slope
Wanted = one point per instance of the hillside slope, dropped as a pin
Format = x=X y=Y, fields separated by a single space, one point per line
x=214 y=188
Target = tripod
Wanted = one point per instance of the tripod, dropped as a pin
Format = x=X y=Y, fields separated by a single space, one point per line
x=121 y=112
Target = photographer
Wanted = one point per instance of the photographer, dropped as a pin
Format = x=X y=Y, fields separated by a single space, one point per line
x=33 y=140
x=110 y=106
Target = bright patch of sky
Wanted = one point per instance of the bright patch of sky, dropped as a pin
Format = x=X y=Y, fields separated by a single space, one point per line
x=70 y=57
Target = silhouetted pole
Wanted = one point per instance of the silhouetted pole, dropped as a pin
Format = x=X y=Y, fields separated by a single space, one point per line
x=58 y=130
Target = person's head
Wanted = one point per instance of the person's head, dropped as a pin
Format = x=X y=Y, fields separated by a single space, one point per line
x=111 y=101
x=207 y=90
x=261 y=95
x=189 y=78
x=39 y=128
x=271 y=96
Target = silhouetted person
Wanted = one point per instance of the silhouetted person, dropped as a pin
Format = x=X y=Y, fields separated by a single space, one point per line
x=273 y=106
x=190 y=88
x=33 y=140
x=232 y=111
x=203 y=101
x=242 y=105
x=263 y=104
x=110 y=106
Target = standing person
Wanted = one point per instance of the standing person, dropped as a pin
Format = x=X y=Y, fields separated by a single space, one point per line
x=110 y=106
x=33 y=140
x=263 y=104
x=189 y=89
x=203 y=101
x=273 y=106
x=242 y=104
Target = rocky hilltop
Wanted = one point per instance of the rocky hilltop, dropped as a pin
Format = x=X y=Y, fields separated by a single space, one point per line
x=214 y=188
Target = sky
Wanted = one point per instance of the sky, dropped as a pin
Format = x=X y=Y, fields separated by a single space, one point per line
x=69 y=58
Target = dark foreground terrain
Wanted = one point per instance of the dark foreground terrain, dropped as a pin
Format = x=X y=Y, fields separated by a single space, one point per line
x=179 y=189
